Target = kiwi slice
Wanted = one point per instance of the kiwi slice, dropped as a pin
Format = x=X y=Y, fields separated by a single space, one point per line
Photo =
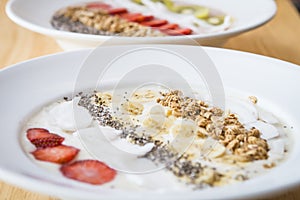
x=201 y=13
x=216 y=20
x=138 y=2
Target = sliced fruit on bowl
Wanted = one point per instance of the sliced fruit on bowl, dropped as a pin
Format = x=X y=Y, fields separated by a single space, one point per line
x=89 y=171
x=59 y=154
x=42 y=138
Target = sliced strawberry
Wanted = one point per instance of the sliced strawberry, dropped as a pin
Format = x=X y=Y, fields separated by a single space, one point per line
x=143 y=18
x=155 y=22
x=34 y=133
x=137 y=17
x=50 y=141
x=60 y=154
x=168 y=27
x=98 y=5
x=185 y=31
x=114 y=11
x=89 y=171
x=129 y=15
x=42 y=138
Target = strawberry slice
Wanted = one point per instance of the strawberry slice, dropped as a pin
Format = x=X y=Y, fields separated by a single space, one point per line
x=50 y=141
x=114 y=11
x=34 y=133
x=143 y=18
x=129 y=15
x=136 y=17
x=89 y=171
x=98 y=5
x=168 y=27
x=155 y=22
x=185 y=31
x=42 y=138
x=60 y=154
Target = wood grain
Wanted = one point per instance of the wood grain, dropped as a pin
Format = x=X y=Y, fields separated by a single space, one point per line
x=280 y=38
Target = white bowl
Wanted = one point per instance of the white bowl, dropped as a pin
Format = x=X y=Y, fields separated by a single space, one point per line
x=27 y=86
x=35 y=15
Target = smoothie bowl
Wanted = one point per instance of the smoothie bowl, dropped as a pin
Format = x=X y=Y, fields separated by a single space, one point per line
x=76 y=132
x=86 y=23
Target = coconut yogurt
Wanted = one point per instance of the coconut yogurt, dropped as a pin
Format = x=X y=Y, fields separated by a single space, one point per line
x=157 y=139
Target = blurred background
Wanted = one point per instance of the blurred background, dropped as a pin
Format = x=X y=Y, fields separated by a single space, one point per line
x=297 y=4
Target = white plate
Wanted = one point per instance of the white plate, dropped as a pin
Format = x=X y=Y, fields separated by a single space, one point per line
x=35 y=15
x=27 y=86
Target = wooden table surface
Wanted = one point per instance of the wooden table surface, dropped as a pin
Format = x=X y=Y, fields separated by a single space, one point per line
x=280 y=38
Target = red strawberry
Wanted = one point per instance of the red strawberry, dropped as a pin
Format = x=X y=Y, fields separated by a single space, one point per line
x=34 y=133
x=136 y=17
x=129 y=15
x=89 y=171
x=50 y=141
x=168 y=27
x=42 y=138
x=155 y=22
x=98 y=5
x=60 y=154
x=185 y=31
x=114 y=11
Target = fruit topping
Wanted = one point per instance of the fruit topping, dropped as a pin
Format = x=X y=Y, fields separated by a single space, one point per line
x=155 y=23
x=89 y=171
x=59 y=154
x=42 y=138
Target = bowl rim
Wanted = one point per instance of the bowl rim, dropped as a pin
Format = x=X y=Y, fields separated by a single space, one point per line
x=89 y=37
x=35 y=185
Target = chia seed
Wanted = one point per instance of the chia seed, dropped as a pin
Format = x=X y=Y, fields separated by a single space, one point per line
x=62 y=23
x=161 y=153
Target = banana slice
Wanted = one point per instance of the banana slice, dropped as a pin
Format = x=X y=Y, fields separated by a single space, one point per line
x=133 y=108
x=212 y=148
x=218 y=150
x=144 y=96
x=183 y=128
x=104 y=98
x=154 y=122
x=208 y=176
x=184 y=132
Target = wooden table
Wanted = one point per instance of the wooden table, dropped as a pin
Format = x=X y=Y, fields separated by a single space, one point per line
x=280 y=38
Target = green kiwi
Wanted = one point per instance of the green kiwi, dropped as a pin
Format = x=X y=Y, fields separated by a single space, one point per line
x=138 y=2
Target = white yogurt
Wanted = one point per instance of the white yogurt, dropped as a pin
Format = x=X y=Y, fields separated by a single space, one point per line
x=104 y=143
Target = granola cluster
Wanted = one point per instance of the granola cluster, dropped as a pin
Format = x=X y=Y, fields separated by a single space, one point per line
x=246 y=145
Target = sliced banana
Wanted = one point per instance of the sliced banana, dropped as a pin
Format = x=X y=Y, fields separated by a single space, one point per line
x=104 y=98
x=144 y=96
x=154 y=122
x=133 y=108
x=212 y=148
x=183 y=128
x=183 y=132
x=208 y=176
x=218 y=150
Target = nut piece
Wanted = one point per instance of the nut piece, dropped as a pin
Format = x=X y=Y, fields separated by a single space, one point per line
x=253 y=99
